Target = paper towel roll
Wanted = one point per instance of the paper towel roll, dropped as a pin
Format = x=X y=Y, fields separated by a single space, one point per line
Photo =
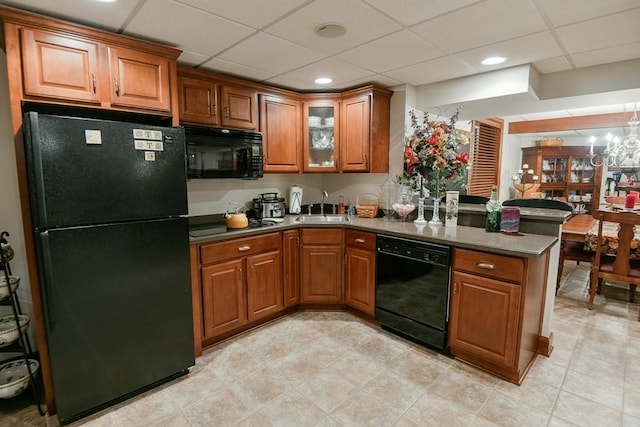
x=295 y=200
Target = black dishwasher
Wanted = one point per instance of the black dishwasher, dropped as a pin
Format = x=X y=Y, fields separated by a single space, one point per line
x=412 y=290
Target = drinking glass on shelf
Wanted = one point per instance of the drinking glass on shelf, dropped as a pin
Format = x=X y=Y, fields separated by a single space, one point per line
x=387 y=197
x=404 y=206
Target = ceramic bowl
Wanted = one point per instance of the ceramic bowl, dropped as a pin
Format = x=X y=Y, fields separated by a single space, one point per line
x=14 y=377
x=9 y=332
x=315 y=120
x=14 y=281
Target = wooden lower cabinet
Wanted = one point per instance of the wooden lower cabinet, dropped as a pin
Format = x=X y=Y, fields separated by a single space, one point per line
x=496 y=309
x=321 y=265
x=241 y=282
x=291 y=267
x=360 y=271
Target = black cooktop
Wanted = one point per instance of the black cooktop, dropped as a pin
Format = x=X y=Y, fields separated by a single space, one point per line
x=218 y=226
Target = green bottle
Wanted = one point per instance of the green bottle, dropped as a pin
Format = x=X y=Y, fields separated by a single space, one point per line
x=493 y=207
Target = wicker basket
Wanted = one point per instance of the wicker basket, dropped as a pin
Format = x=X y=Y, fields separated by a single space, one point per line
x=367 y=210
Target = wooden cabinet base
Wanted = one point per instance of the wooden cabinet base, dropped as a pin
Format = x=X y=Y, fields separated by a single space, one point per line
x=501 y=371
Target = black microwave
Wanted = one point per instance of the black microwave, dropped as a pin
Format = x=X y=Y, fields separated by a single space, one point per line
x=223 y=153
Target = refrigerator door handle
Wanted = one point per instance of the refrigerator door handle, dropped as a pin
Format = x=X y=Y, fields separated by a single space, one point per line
x=48 y=304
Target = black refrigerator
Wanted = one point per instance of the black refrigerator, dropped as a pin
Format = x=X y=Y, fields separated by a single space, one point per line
x=108 y=206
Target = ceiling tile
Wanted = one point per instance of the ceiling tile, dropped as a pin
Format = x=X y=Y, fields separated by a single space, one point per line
x=608 y=31
x=109 y=16
x=266 y=52
x=607 y=55
x=191 y=58
x=521 y=50
x=255 y=13
x=289 y=82
x=444 y=68
x=205 y=33
x=481 y=24
x=410 y=12
x=552 y=65
x=340 y=71
x=240 y=70
x=363 y=23
x=572 y=11
x=400 y=49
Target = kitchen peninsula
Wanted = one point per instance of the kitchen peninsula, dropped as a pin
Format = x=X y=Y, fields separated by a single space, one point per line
x=499 y=278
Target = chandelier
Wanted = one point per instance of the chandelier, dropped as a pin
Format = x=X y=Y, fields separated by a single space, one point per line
x=618 y=154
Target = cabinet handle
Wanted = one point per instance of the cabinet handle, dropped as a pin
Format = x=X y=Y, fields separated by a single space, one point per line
x=486 y=265
x=93 y=81
x=345 y=259
x=117 y=84
x=455 y=288
x=359 y=240
x=244 y=248
x=252 y=269
x=298 y=241
x=226 y=112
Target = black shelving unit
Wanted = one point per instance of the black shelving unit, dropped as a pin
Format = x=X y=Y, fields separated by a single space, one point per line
x=22 y=346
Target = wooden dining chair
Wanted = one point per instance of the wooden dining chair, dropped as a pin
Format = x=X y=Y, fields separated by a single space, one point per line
x=619 y=266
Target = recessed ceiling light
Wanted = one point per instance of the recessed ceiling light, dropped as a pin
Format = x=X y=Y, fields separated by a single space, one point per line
x=330 y=30
x=493 y=60
x=323 y=80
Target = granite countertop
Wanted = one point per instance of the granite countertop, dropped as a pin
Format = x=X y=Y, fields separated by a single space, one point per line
x=523 y=244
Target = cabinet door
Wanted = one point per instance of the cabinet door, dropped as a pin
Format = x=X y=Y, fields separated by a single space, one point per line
x=484 y=318
x=60 y=67
x=239 y=108
x=291 y=267
x=321 y=276
x=321 y=139
x=264 y=285
x=139 y=80
x=198 y=101
x=360 y=279
x=223 y=297
x=355 y=124
x=280 y=123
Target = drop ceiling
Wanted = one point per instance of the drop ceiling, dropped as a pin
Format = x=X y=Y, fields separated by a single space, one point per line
x=387 y=42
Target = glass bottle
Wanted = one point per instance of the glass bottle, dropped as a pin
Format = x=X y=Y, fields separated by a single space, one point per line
x=493 y=208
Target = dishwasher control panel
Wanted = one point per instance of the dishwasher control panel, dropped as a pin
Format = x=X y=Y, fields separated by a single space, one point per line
x=432 y=253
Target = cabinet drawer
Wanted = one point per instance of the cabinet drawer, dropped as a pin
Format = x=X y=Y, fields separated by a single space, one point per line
x=361 y=239
x=215 y=252
x=489 y=265
x=320 y=236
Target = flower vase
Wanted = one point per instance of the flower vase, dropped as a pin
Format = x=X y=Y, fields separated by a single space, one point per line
x=420 y=219
x=451 y=208
x=435 y=220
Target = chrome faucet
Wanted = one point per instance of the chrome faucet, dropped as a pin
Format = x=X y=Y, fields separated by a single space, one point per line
x=324 y=194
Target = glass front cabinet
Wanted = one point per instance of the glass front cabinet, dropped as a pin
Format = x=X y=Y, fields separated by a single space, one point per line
x=321 y=136
x=566 y=174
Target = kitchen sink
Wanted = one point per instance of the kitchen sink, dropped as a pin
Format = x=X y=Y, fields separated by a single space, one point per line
x=319 y=219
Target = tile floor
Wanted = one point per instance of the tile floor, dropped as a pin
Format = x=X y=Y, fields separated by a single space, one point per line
x=331 y=369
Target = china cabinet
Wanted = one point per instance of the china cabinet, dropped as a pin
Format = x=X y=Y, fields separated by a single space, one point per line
x=566 y=173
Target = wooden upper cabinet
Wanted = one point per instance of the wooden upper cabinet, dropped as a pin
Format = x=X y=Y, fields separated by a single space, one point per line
x=139 y=79
x=198 y=101
x=60 y=67
x=355 y=137
x=239 y=108
x=280 y=124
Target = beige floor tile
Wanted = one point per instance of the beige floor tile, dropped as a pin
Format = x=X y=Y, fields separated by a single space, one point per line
x=632 y=400
x=297 y=367
x=462 y=389
x=363 y=409
x=395 y=390
x=327 y=389
x=221 y=409
x=290 y=409
x=503 y=410
x=532 y=392
x=147 y=409
x=608 y=370
x=418 y=367
x=356 y=368
x=261 y=387
x=594 y=389
x=382 y=348
x=629 y=421
x=102 y=419
x=232 y=360
x=433 y=410
x=585 y=412
x=545 y=370
x=353 y=335
x=328 y=422
x=196 y=386
x=325 y=350
x=559 y=422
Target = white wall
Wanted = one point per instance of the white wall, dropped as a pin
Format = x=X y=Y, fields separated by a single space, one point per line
x=10 y=212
